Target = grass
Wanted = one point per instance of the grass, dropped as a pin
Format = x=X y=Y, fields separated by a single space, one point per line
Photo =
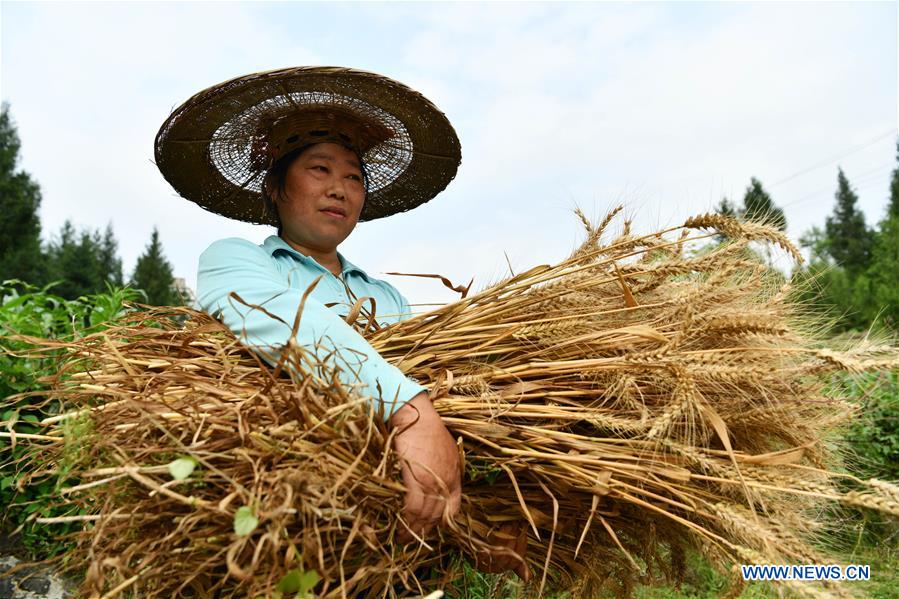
x=884 y=562
x=702 y=581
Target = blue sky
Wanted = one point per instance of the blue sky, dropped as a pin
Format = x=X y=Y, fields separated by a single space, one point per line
x=666 y=107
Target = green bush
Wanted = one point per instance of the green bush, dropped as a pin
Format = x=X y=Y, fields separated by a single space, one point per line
x=27 y=311
x=874 y=436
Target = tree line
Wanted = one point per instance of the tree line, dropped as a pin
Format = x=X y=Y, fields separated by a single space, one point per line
x=853 y=268
x=75 y=262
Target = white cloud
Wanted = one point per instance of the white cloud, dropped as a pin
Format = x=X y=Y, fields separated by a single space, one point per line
x=666 y=106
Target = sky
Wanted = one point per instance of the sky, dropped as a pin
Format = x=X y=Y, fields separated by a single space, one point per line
x=664 y=107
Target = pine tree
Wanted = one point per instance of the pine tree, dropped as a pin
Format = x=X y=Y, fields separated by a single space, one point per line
x=59 y=251
x=893 y=207
x=848 y=238
x=882 y=272
x=815 y=241
x=74 y=263
x=21 y=256
x=153 y=274
x=107 y=256
x=727 y=208
x=758 y=206
x=853 y=269
x=83 y=263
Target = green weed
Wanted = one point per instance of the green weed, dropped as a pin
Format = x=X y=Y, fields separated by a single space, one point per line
x=27 y=493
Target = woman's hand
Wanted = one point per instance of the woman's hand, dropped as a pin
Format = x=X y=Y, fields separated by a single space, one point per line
x=509 y=545
x=431 y=470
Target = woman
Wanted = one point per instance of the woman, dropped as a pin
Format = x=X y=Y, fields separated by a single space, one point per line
x=313 y=151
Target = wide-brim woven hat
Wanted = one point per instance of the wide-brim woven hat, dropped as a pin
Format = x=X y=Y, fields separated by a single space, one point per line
x=216 y=148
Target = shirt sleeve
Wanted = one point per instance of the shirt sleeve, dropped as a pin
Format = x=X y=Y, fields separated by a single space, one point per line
x=240 y=266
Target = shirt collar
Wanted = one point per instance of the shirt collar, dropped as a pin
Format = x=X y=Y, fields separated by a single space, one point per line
x=274 y=244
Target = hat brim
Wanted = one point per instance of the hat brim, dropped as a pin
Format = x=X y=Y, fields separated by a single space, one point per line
x=205 y=149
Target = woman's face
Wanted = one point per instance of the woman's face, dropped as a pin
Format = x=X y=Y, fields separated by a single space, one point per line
x=322 y=197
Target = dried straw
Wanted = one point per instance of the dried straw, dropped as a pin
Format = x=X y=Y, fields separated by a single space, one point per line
x=637 y=400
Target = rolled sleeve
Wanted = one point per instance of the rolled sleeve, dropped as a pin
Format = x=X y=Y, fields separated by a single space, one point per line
x=237 y=265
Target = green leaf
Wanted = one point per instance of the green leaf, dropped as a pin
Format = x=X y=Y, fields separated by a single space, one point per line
x=290 y=582
x=182 y=467
x=299 y=581
x=310 y=579
x=244 y=521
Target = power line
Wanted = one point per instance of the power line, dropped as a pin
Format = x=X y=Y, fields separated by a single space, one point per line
x=833 y=159
x=871 y=174
x=815 y=194
x=857 y=176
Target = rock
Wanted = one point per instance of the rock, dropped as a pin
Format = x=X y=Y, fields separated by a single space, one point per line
x=6 y=588
x=30 y=583
x=36 y=584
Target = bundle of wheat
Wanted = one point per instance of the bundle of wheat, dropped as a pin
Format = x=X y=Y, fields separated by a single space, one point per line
x=636 y=400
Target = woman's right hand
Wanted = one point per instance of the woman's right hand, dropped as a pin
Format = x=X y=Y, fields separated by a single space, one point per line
x=431 y=467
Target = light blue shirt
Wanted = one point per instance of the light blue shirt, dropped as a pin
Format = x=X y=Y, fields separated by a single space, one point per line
x=275 y=276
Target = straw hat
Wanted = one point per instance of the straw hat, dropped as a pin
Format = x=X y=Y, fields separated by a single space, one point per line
x=216 y=147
